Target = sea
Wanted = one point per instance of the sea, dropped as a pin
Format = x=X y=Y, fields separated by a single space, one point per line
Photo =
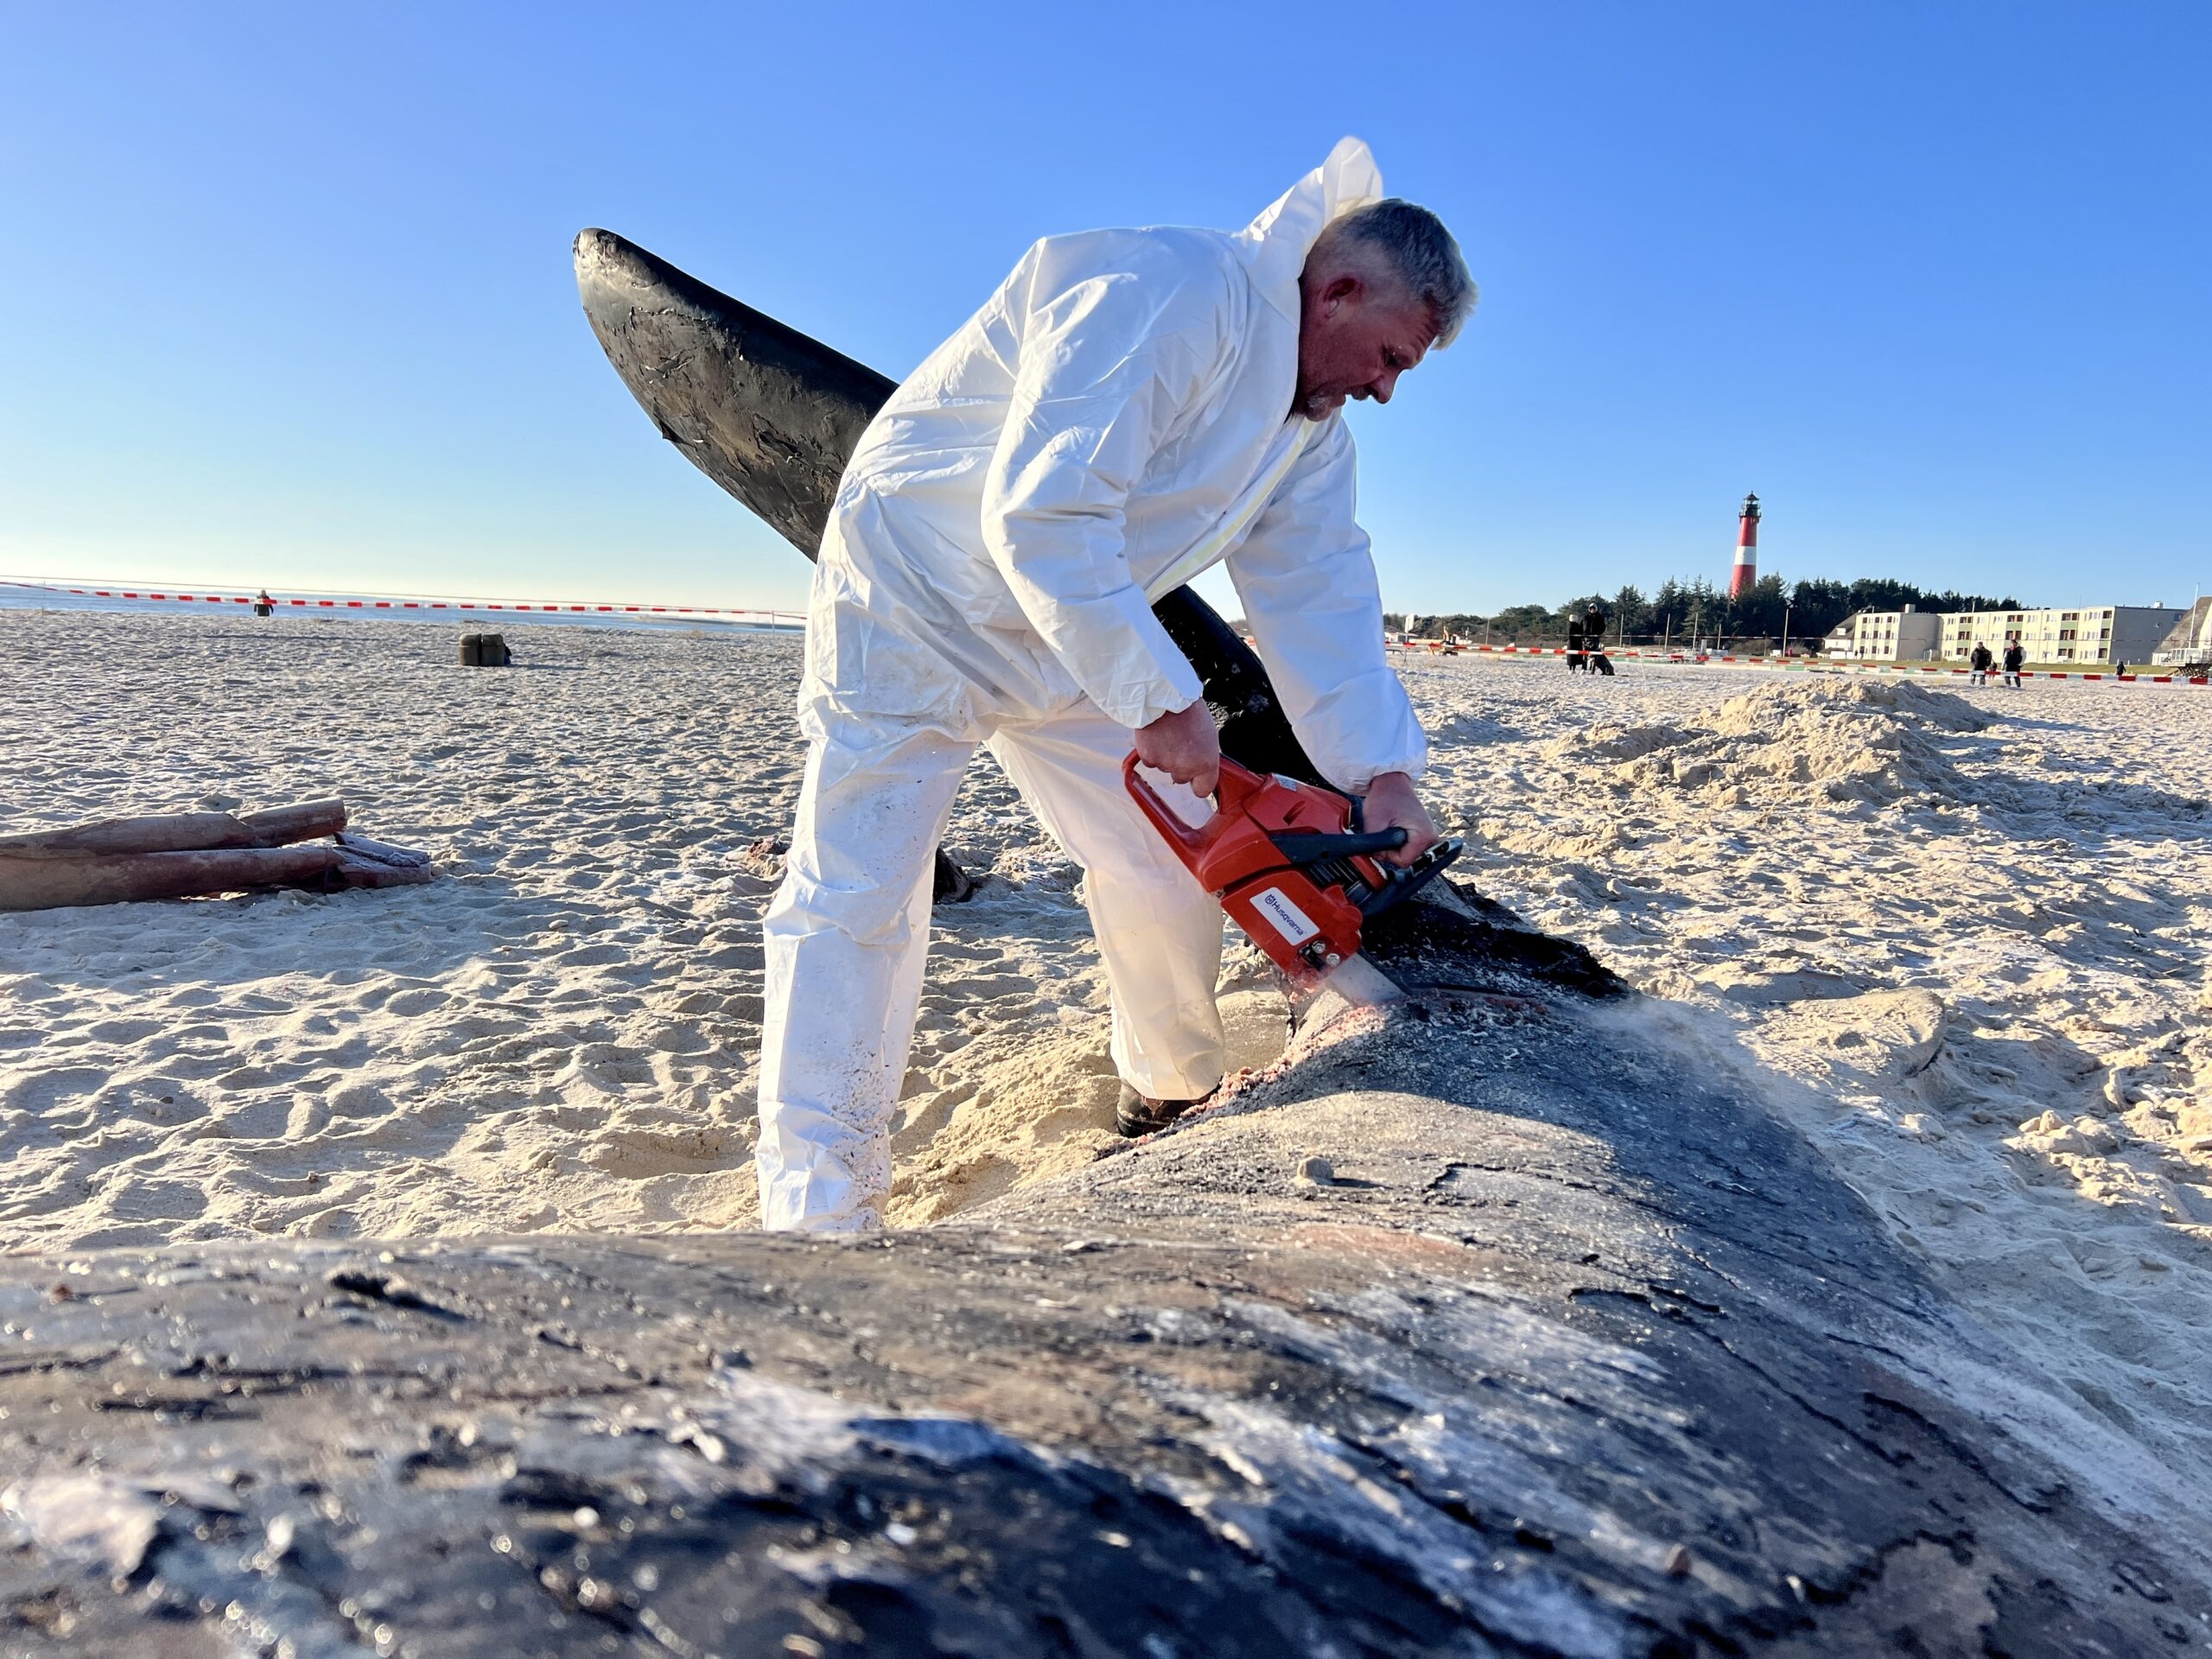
x=81 y=594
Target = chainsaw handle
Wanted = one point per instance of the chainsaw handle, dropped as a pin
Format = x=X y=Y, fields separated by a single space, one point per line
x=1236 y=783
x=1184 y=839
x=1306 y=848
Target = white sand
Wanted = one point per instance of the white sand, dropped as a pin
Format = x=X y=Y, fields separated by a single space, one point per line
x=1968 y=961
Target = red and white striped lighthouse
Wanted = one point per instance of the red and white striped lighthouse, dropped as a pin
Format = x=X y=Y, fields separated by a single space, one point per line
x=1747 y=549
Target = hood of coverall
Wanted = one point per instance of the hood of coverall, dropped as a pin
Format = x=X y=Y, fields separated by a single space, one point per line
x=1273 y=246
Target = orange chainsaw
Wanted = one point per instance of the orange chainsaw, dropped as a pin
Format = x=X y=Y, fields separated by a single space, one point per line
x=1294 y=868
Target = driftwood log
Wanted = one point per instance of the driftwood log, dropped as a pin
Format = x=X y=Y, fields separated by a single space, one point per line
x=188 y=854
x=1554 y=1351
x=183 y=832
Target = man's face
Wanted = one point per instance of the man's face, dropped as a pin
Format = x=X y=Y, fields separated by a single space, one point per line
x=1355 y=339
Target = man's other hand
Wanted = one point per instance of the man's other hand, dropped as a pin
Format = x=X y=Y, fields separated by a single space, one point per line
x=1391 y=804
x=1186 y=746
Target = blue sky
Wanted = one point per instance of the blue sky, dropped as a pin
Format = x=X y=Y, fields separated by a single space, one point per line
x=289 y=301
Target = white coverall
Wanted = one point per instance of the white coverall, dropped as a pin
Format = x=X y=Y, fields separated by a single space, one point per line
x=1112 y=421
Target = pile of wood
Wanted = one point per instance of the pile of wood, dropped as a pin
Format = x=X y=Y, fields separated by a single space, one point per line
x=187 y=855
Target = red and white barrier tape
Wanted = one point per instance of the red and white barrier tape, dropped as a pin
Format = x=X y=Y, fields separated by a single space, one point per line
x=1803 y=667
x=786 y=618
x=794 y=618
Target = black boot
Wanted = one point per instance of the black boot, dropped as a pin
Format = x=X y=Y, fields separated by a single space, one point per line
x=1135 y=1114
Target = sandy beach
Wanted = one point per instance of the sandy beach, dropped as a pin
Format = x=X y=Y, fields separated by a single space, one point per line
x=1959 y=940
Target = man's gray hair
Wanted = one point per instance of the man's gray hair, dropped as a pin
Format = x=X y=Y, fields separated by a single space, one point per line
x=1418 y=251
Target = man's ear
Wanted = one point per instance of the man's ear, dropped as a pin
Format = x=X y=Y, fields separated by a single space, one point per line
x=1343 y=288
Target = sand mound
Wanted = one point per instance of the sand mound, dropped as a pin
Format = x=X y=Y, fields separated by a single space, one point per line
x=1853 y=740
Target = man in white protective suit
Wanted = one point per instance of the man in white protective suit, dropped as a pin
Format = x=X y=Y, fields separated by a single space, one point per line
x=1129 y=407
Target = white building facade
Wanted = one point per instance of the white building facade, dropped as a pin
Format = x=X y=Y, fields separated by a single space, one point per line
x=2190 y=639
x=1906 y=636
x=2087 y=634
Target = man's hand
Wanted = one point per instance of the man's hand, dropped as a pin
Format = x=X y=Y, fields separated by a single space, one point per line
x=1390 y=804
x=1186 y=746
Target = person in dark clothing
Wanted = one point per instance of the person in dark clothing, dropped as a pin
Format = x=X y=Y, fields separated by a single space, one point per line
x=1980 y=662
x=263 y=605
x=2014 y=658
x=1594 y=660
x=1576 y=661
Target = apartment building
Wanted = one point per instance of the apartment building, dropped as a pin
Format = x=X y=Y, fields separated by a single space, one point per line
x=1905 y=636
x=2088 y=634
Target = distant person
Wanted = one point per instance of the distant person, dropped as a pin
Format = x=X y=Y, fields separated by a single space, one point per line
x=1980 y=661
x=2015 y=658
x=263 y=605
x=1594 y=660
x=1575 y=660
x=1594 y=629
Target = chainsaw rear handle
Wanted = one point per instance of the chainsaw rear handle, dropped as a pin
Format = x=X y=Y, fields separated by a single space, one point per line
x=1236 y=782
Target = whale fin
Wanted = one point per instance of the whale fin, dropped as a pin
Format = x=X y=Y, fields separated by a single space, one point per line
x=769 y=414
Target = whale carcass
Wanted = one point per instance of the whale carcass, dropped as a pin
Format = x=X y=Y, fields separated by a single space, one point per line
x=1563 y=1352
x=1486 y=1324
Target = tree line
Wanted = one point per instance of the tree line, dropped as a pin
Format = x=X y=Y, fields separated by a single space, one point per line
x=1697 y=609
